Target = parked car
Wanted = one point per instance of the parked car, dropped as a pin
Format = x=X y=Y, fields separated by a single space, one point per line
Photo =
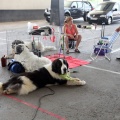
x=106 y=12
x=75 y=9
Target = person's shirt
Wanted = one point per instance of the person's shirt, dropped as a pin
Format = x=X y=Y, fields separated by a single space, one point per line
x=70 y=30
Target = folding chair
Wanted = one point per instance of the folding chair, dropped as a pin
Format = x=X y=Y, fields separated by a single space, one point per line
x=62 y=44
x=104 y=46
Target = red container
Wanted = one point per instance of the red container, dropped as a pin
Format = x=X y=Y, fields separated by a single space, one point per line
x=3 y=61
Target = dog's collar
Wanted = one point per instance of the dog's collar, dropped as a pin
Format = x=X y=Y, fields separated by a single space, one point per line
x=27 y=47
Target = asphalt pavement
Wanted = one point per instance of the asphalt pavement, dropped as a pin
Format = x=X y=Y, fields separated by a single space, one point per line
x=99 y=99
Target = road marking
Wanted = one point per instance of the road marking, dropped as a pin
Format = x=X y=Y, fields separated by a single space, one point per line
x=96 y=68
x=35 y=107
x=116 y=50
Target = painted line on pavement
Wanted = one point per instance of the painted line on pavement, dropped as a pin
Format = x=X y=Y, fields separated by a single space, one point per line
x=35 y=107
x=96 y=68
x=116 y=50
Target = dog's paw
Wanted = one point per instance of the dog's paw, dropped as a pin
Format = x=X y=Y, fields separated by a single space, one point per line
x=82 y=82
x=6 y=92
x=9 y=91
x=76 y=81
x=79 y=82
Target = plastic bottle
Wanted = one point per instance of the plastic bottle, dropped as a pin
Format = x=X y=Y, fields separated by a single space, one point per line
x=3 y=61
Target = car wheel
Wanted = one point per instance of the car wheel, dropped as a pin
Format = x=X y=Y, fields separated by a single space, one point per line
x=67 y=14
x=109 y=21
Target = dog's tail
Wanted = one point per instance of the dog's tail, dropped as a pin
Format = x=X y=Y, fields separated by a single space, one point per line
x=1 y=87
x=47 y=48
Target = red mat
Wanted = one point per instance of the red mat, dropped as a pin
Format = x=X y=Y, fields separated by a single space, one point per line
x=73 y=62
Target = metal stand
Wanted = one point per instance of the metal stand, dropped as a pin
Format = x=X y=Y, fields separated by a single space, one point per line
x=62 y=46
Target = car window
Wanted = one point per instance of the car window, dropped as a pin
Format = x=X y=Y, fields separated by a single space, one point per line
x=67 y=3
x=116 y=6
x=119 y=6
x=80 y=5
x=87 y=5
x=74 y=5
x=104 y=6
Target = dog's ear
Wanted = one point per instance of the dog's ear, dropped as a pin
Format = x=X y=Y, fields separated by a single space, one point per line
x=16 y=42
x=56 y=66
x=66 y=63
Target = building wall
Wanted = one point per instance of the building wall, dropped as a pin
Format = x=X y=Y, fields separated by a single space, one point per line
x=20 y=10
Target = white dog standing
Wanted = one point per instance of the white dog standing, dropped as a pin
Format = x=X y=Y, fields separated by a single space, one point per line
x=29 y=61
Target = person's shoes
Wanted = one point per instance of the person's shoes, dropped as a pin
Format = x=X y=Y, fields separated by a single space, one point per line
x=118 y=58
x=67 y=52
x=77 y=51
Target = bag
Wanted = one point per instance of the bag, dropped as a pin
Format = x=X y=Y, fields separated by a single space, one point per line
x=15 y=67
x=102 y=51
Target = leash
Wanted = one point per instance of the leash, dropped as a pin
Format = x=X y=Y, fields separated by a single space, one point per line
x=52 y=93
x=39 y=101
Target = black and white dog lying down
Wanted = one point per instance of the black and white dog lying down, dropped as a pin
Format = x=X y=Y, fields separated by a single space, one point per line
x=47 y=75
x=38 y=45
